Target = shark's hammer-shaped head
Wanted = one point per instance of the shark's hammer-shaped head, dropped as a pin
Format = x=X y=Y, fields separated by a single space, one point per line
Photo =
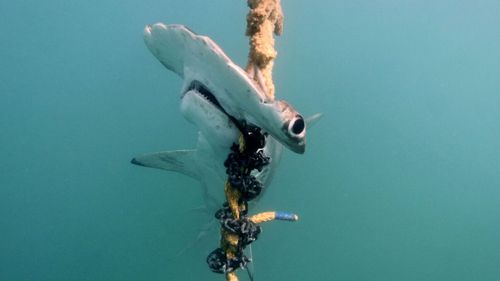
x=207 y=70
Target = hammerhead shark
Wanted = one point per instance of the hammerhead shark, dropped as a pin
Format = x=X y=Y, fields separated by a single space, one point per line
x=216 y=96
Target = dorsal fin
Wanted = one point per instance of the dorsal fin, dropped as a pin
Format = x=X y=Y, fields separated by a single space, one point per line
x=181 y=161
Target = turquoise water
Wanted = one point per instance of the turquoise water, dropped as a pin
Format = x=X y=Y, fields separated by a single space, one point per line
x=400 y=181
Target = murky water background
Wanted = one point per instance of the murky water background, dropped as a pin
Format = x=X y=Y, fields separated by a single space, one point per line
x=401 y=179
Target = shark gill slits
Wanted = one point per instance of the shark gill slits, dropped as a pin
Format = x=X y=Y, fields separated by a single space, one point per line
x=297 y=125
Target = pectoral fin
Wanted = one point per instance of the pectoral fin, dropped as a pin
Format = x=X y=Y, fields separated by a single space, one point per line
x=181 y=161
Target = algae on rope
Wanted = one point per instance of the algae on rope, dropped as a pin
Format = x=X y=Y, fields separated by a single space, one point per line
x=264 y=19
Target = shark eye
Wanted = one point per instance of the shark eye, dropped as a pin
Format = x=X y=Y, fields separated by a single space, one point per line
x=297 y=125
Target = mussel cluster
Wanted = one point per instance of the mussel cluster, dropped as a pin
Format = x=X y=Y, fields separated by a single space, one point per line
x=239 y=166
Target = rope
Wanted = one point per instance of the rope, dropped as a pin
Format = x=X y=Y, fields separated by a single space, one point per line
x=238 y=230
x=264 y=19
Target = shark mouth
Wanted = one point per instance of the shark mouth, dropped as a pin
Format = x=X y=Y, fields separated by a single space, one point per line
x=205 y=92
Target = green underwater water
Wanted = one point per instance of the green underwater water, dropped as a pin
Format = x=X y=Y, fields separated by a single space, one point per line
x=400 y=181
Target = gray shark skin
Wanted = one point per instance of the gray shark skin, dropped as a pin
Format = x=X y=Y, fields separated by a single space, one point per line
x=216 y=93
x=216 y=135
x=198 y=58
